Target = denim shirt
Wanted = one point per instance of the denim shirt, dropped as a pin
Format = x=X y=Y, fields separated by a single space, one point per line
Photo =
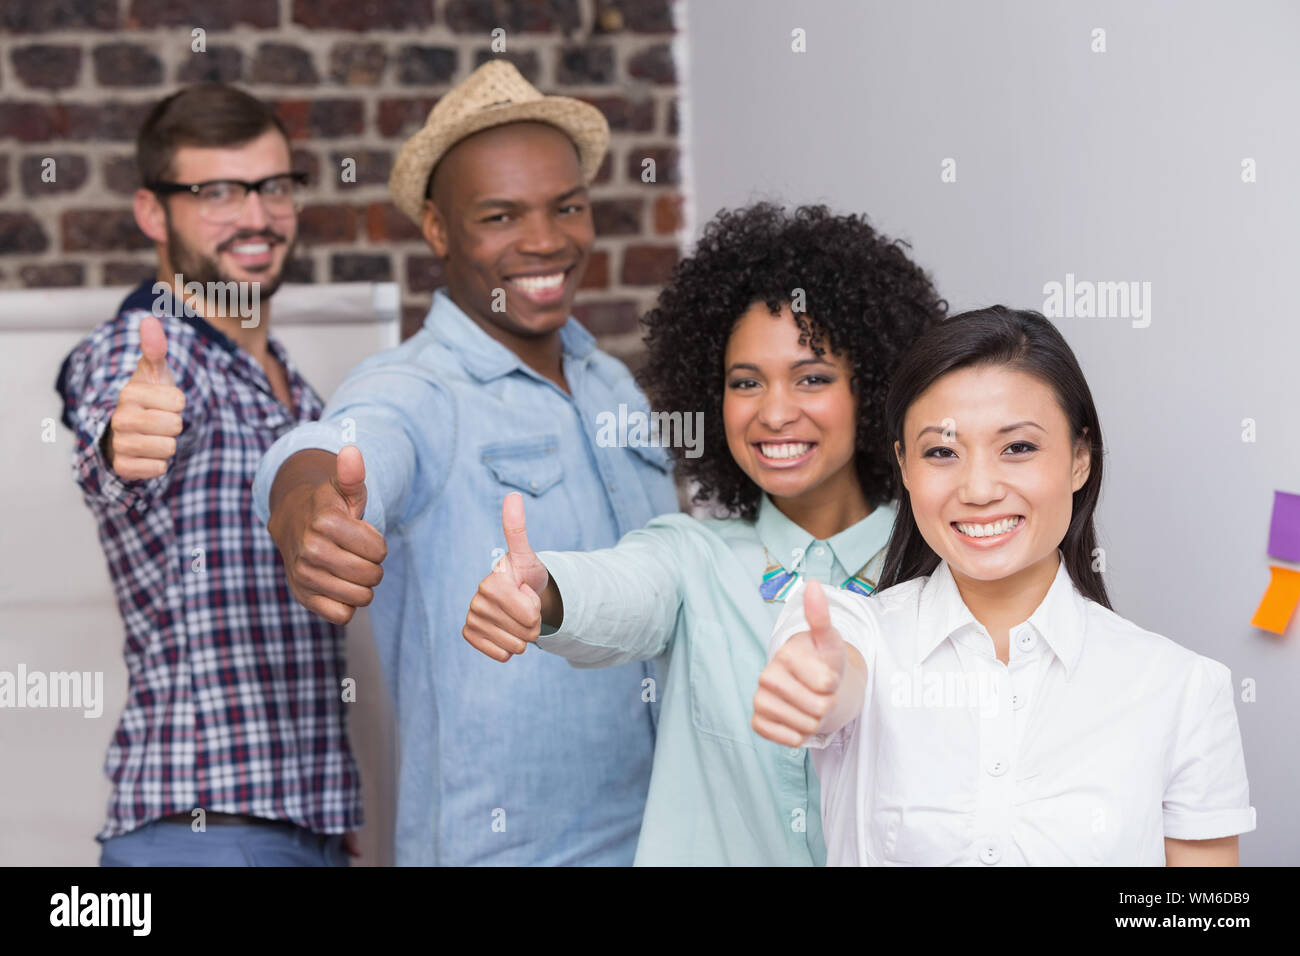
x=532 y=761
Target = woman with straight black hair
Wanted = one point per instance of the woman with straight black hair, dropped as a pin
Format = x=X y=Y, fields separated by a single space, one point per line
x=985 y=705
x=1018 y=340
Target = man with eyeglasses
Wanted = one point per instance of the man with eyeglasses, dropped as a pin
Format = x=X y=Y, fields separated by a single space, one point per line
x=232 y=748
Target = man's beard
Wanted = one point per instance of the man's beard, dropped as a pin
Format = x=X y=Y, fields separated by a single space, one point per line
x=194 y=266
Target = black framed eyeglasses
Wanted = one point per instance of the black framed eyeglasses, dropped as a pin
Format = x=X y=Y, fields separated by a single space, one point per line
x=222 y=200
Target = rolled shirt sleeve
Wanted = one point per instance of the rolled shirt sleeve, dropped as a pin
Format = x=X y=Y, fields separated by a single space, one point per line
x=1207 y=795
x=621 y=604
x=376 y=410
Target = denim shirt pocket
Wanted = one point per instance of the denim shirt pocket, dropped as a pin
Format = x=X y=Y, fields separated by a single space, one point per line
x=531 y=466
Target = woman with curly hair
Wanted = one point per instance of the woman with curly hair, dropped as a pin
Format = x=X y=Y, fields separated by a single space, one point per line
x=782 y=330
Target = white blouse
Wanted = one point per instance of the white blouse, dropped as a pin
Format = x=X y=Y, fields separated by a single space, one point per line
x=1097 y=741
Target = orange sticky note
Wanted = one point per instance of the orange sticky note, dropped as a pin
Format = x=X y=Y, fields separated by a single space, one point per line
x=1279 y=601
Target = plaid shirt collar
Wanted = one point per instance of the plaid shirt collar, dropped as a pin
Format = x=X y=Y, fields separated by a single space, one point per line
x=146 y=298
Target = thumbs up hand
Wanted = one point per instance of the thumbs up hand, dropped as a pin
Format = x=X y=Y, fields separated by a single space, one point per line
x=825 y=640
x=333 y=560
x=798 y=688
x=506 y=613
x=152 y=367
x=141 y=434
x=520 y=560
x=350 y=480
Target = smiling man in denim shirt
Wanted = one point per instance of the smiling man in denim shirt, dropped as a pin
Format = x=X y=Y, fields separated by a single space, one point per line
x=500 y=391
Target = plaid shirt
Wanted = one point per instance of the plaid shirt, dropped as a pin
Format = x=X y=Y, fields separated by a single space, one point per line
x=234 y=701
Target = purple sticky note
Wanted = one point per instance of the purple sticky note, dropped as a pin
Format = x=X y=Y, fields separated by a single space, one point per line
x=1284 y=533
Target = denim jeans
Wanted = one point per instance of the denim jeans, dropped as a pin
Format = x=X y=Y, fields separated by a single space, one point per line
x=175 y=844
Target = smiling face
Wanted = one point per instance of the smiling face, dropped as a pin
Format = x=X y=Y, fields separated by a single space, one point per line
x=790 y=416
x=253 y=248
x=510 y=212
x=991 y=471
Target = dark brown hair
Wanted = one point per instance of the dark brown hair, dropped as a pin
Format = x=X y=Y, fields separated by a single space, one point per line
x=863 y=298
x=1026 y=342
x=210 y=114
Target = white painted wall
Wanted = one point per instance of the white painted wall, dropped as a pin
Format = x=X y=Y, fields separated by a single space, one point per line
x=1123 y=165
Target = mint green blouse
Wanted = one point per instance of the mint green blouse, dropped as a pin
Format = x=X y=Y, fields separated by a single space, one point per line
x=720 y=795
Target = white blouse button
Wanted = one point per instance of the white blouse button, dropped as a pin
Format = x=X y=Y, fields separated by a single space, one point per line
x=997 y=767
x=1017 y=701
x=989 y=852
x=1026 y=640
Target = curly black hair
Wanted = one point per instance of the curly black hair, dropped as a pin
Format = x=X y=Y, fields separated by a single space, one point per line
x=862 y=296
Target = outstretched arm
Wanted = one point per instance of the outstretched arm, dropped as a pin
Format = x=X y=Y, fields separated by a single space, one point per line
x=610 y=606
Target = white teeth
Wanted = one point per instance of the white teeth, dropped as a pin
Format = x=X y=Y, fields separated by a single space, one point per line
x=539 y=283
x=988 y=530
x=784 y=450
x=253 y=249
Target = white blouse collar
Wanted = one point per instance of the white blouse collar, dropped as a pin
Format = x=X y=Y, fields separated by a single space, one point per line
x=1059 y=618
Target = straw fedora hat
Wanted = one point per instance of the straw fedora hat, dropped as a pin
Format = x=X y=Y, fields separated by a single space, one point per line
x=494 y=94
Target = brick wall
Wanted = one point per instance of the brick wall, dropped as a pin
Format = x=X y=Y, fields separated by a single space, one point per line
x=351 y=79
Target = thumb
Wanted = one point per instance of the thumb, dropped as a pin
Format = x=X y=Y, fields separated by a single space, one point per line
x=512 y=523
x=153 y=347
x=350 y=479
x=816 y=612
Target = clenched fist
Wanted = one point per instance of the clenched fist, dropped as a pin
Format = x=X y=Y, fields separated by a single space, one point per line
x=141 y=435
x=506 y=614
x=798 y=689
x=333 y=560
